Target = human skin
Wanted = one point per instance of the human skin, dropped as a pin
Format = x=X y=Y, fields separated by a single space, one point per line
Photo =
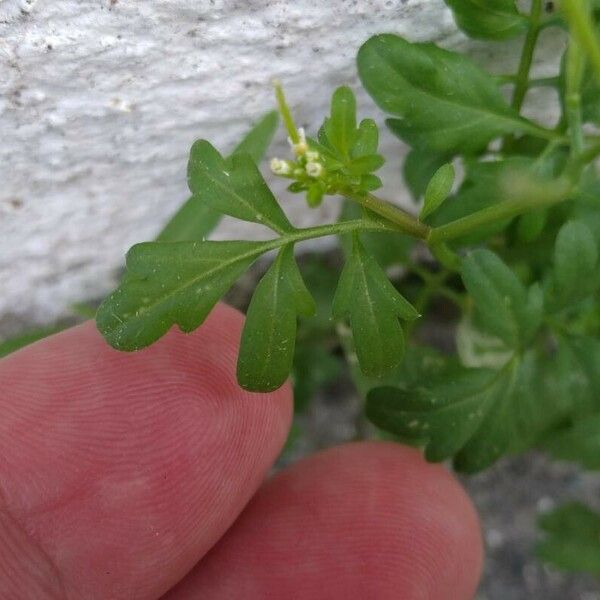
x=140 y=476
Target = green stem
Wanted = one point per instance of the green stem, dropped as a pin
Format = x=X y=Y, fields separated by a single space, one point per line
x=445 y=255
x=582 y=28
x=286 y=114
x=553 y=81
x=574 y=76
x=544 y=82
x=310 y=233
x=522 y=80
x=401 y=219
x=550 y=195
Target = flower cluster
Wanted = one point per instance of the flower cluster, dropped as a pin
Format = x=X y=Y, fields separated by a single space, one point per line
x=307 y=170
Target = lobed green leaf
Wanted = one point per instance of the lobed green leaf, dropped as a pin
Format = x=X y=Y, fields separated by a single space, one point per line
x=446 y=415
x=170 y=284
x=504 y=306
x=446 y=103
x=233 y=186
x=269 y=334
x=374 y=308
x=477 y=415
x=195 y=220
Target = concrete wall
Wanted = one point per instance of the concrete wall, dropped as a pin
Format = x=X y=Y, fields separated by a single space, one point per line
x=100 y=101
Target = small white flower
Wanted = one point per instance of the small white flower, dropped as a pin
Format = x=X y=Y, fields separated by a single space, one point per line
x=314 y=169
x=280 y=167
x=312 y=156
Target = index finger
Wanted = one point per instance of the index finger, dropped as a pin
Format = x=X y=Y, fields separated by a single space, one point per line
x=118 y=472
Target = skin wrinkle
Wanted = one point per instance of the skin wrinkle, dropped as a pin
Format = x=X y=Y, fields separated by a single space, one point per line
x=364 y=520
x=61 y=590
x=167 y=469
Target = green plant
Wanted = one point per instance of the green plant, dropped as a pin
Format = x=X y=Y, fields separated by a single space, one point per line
x=513 y=242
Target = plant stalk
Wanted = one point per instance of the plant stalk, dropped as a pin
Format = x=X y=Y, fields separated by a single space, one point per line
x=581 y=27
x=522 y=79
x=574 y=77
x=550 y=195
x=400 y=218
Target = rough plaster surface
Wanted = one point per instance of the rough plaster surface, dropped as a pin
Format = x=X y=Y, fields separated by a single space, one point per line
x=100 y=101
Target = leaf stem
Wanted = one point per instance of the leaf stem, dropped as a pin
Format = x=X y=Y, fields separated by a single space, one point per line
x=285 y=112
x=557 y=192
x=574 y=76
x=445 y=255
x=309 y=233
x=403 y=220
x=581 y=27
x=522 y=79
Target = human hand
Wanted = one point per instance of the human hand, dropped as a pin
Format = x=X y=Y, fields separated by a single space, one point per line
x=133 y=476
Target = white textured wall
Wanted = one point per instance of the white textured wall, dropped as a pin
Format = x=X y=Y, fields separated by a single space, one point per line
x=100 y=101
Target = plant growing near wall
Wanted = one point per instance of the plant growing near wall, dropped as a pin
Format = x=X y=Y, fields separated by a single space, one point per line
x=508 y=232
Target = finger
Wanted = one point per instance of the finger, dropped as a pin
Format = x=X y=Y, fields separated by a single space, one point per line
x=119 y=471
x=370 y=520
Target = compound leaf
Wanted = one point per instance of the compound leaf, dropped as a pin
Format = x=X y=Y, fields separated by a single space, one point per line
x=234 y=186
x=478 y=415
x=170 y=284
x=445 y=414
x=572 y=538
x=491 y=19
x=374 y=308
x=269 y=335
x=504 y=306
x=445 y=101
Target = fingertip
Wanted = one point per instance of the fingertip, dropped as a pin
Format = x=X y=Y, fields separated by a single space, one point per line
x=125 y=468
x=366 y=520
